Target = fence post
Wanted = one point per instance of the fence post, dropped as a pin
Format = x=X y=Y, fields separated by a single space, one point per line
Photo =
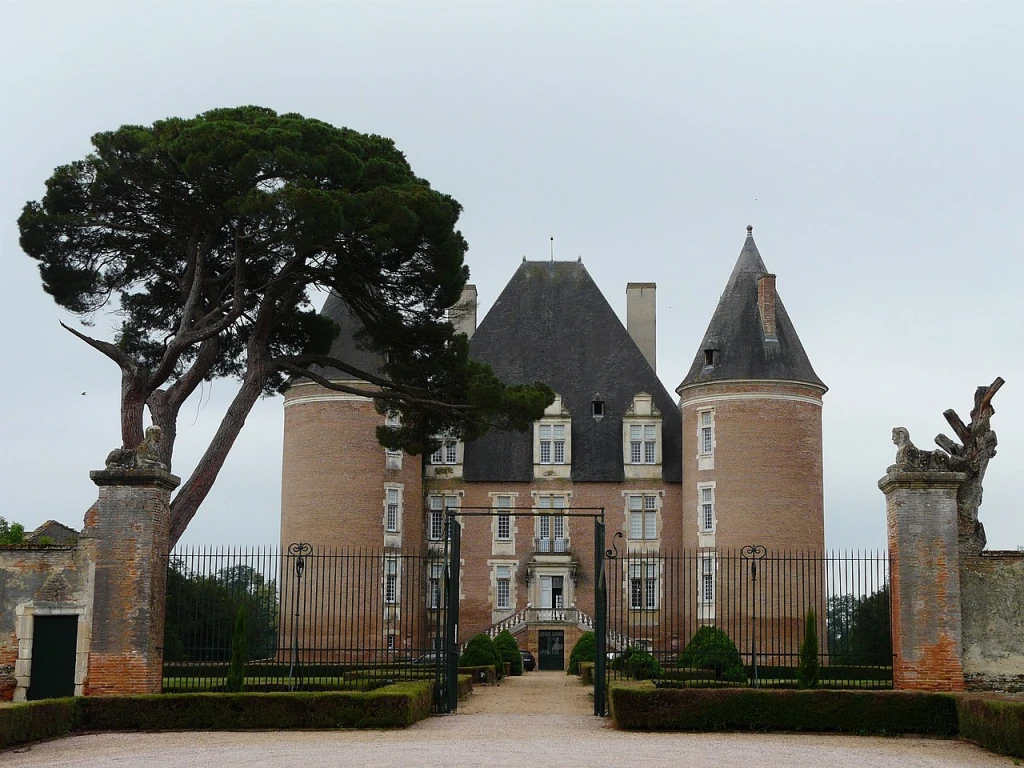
x=452 y=616
x=600 y=620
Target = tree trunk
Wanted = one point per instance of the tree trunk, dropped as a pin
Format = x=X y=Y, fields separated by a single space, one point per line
x=133 y=403
x=165 y=416
x=191 y=495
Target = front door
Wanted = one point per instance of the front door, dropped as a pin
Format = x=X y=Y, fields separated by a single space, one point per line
x=53 y=657
x=552 y=649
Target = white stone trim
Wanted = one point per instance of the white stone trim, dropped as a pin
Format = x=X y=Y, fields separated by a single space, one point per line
x=329 y=395
x=24 y=624
x=749 y=382
x=709 y=399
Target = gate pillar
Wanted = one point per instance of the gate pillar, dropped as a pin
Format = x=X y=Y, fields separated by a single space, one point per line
x=126 y=537
x=921 y=516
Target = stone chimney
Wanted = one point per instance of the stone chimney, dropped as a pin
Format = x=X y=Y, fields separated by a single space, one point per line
x=641 y=319
x=463 y=314
x=766 y=305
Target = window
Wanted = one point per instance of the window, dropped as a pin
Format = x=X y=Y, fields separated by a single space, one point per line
x=707 y=509
x=391 y=642
x=552 y=443
x=643 y=517
x=643 y=585
x=707 y=580
x=551 y=528
x=435 y=523
x=643 y=441
x=707 y=434
x=392 y=459
x=710 y=356
x=447 y=453
x=504 y=532
x=503 y=593
x=391 y=513
x=597 y=409
x=391 y=580
x=434 y=585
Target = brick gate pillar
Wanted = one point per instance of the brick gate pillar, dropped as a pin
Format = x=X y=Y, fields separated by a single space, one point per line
x=921 y=515
x=126 y=536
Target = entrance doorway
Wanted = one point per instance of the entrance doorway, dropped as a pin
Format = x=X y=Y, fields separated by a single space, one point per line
x=552 y=649
x=54 y=640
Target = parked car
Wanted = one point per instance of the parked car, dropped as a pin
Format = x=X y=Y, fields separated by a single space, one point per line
x=529 y=663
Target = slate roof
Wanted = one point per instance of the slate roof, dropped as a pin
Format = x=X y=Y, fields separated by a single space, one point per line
x=344 y=346
x=735 y=331
x=551 y=323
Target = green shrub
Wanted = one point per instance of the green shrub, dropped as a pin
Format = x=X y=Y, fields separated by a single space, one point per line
x=807 y=672
x=509 y=650
x=994 y=724
x=641 y=706
x=37 y=720
x=239 y=649
x=584 y=650
x=480 y=652
x=710 y=648
x=638 y=664
x=393 y=706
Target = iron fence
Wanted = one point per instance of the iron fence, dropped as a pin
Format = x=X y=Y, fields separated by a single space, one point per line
x=742 y=617
x=302 y=618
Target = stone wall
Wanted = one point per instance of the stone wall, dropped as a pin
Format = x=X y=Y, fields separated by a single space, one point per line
x=114 y=580
x=40 y=581
x=992 y=586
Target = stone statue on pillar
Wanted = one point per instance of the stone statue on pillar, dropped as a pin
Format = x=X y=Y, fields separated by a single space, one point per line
x=972 y=457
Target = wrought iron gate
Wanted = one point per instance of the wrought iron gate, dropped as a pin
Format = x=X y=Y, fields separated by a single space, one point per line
x=446 y=669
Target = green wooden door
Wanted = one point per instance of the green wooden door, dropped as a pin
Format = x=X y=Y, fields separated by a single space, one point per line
x=53 y=657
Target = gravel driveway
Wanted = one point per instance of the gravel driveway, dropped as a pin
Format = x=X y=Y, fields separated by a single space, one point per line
x=539 y=720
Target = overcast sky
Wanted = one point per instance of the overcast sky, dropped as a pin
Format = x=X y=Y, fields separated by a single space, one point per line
x=876 y=149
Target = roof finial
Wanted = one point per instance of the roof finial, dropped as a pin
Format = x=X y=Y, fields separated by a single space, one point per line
x=552 y=249
x=750 y=230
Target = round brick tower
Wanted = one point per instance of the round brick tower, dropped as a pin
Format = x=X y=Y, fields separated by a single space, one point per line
x=337 y=480
x=751 y=411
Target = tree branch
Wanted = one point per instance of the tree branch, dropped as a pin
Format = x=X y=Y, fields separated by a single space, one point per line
x=112 y=351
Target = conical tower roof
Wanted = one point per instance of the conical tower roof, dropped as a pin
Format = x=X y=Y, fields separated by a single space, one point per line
x=345 y=347
x=735 y=335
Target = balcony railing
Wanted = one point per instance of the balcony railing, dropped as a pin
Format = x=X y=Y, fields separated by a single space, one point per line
x=553 y=615
x=557 y=546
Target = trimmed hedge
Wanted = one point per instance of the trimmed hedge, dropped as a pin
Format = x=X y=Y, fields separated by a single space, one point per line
x=711 y=648
x=993 y=723
x=584 y=650
x=38 y=720
x=394 y=706
x=481 y=652
x=587 y=672
x=509 y=650
x=643 y=707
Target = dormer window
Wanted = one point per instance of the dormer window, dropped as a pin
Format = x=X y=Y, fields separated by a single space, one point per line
x=710 y=357
x=643 y=443
x=552 y=442
x=597 y=408
x=641 y=438
x=446 y=460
